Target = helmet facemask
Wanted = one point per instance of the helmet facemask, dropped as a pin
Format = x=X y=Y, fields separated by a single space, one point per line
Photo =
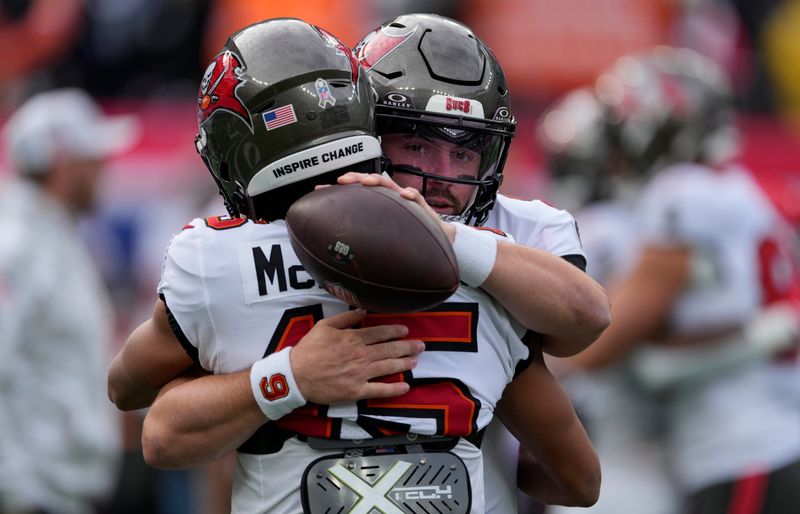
x=437 y=81
x=475 y=148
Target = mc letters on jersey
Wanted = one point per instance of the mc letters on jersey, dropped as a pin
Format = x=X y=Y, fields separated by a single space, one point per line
x=270 y=269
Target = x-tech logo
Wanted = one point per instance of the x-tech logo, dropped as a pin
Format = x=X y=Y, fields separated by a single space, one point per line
x=372 y=496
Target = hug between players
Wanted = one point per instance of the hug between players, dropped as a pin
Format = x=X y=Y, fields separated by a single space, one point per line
x=372 y=308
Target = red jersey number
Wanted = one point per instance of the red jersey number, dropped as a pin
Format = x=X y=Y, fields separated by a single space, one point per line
x=448 y=327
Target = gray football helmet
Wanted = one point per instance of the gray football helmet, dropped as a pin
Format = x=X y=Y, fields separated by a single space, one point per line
x=283 y=106
x=667 y=105
x=573 y=137
x=435 y=78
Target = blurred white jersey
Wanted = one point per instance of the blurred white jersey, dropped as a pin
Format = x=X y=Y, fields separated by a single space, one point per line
x=623 y=421
x=609 y=238
x=742 y=260
x=237 y=292
x=536 y=224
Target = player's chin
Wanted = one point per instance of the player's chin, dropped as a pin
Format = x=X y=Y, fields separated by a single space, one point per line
x=444 y=210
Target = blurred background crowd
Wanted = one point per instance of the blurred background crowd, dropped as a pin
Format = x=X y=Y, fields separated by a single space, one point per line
x=146 y=57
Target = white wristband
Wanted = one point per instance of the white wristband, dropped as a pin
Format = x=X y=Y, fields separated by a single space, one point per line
x=476 y=251
x=273 y=385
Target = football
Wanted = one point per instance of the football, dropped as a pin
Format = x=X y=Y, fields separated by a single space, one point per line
x=372 y=248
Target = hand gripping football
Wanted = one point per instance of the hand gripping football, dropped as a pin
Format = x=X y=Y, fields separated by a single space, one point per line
x=372 y=248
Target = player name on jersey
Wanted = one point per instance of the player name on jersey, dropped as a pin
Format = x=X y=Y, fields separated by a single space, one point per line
x=270 y=269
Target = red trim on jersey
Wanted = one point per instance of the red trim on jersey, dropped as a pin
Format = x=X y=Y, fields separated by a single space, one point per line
x=294 y=332
x=224 y=222
x=449 y=327
x=455 y=411
x=308 y=420
x=428 y=326
x=780 y=278
x=748 y=494
x=495 y=231
x=780 y=282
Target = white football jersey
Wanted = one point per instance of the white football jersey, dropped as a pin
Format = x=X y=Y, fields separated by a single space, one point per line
x=237 y=292
x=539 y=225
x=608 y=234
x=536 y=224
x=742 y=259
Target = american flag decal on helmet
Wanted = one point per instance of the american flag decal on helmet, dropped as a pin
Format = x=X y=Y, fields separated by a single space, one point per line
x=279 y=117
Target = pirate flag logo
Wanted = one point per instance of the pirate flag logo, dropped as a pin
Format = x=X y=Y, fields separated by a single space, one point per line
x=380 y=43
x=343 y=51
x=218 y=88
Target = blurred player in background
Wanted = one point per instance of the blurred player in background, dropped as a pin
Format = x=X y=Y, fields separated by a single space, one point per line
x=178 y=433
x=623 y=418
x=59 y=441
x=714 y=282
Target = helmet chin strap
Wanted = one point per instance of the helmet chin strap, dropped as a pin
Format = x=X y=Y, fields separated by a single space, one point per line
x=233 y=212
x=251 y=208
x=240 y=198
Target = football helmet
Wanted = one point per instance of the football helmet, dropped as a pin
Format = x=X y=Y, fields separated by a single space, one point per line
x=668 y=105
x=572 y=135
x=283 y=106
x=437 y=80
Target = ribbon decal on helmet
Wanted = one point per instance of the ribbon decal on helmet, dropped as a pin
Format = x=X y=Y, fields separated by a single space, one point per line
x=324 y=93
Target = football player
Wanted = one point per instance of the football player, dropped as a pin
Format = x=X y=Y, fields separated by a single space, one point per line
x=714 y=282
x=445 y=121
x=623 y=418
x=233 y=293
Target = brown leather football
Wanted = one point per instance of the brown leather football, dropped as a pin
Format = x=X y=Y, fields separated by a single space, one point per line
x=372 y=248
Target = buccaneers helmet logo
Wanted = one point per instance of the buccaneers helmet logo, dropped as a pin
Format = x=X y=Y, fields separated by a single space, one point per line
x=218 y=88
x=379 y=44
x=342 y=50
